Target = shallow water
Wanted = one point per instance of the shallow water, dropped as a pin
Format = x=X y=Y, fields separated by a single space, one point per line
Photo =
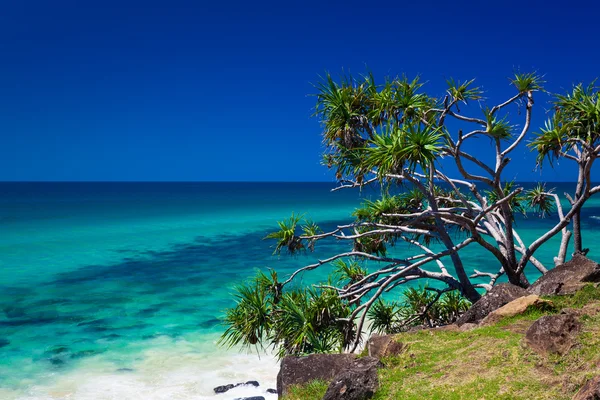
x=115 y=290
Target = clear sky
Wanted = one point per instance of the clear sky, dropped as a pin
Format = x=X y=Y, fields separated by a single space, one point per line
x=218 y=90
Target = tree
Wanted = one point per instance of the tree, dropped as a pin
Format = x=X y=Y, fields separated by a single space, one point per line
x=397 y=136
x=573 y=133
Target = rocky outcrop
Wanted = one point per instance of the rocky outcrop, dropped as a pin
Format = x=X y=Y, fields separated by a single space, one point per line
x=516 y=307
x=553 y=334
x=589 y=391
x=359 y=381
x=567 y=278
x=497 y=297
x=380 y=346
x=301 y=370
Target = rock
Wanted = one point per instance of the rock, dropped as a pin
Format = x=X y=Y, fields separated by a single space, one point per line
x=225 y=388
x=359 y=381
x=589 y=391
x=273 y=391
x=300 y=370
x=494 y=299
x=384 y=346
x=467 y=327
x=553 y=334
x=567 y=278
x=4 y=342
x=515 y=307
x=250 y=398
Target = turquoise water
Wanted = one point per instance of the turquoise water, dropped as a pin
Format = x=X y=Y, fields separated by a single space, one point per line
x=114 y=290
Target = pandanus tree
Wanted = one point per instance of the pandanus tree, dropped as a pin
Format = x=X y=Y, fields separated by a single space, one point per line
x=573 y=133
x=398 y=137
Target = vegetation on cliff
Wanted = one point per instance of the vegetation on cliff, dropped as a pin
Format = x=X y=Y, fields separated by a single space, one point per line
x=490 y=362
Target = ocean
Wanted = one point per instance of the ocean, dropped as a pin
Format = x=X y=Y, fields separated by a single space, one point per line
x=115 y=290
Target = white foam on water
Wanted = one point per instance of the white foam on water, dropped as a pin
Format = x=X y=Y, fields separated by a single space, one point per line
x=178 y=370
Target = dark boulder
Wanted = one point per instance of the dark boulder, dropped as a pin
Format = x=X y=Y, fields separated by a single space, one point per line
x=553 y=334
x=250 y=398
x=272 y=391
x=380 y=346
x=498 y=296
x=589 y=391
x=359 y=381
x=567 y=278
x=225 y=388
x=301 y=370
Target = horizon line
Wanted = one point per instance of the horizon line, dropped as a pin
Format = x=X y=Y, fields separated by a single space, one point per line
x=224 y=181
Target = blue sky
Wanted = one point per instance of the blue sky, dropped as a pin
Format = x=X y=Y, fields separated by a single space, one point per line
x=201 y=90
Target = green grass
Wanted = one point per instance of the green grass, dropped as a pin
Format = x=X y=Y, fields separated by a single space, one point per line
x=313 y=390
x=490 y=362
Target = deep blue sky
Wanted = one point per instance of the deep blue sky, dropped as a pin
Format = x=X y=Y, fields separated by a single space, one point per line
x=219 y=90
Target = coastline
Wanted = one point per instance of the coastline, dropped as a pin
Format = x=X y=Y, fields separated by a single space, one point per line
x=168 y=369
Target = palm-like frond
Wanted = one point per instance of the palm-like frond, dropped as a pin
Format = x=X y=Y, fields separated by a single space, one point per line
x=463 y=91
x=286 y=235
x=343 y=110
x=550 y=141
x=528 y=82
x=349 y=272
x=516 y=202
x=452 y=305
x=411 y=146
x=539 y=199
x=250 y=320
x=497 y=128
x=383 y=317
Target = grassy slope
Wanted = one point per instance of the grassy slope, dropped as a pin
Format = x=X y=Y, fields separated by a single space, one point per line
x=488 y=363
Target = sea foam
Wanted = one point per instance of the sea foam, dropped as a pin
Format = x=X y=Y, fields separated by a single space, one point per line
x=178 y=370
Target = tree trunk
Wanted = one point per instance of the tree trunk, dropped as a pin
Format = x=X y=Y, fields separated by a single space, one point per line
x=516 y=279
x=577 y=232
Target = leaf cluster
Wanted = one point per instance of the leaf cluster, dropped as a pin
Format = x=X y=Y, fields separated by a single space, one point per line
x=296 y=322
x=575 y=123
x=418 y=306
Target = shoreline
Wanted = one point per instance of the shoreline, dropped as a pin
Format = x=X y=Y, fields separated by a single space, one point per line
x=169 y=370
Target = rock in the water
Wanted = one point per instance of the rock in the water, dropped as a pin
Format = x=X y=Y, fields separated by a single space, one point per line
x=494 y=299
x=250 y=398
x=384 y=346
x=225 y=388
x=272 y=391
x=553 y=334
x=359 y=381
x=589 y=391
x=301 y=370
x=567 y=278
x=516 y=307
x=4 y=342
